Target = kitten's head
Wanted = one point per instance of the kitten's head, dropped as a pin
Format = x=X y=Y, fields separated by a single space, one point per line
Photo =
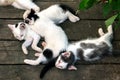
x=18 y=30
x=30 y=16
x=66 y=61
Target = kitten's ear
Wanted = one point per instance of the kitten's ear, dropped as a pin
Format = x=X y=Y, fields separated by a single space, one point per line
x=72 y=67
x=44 y=44
x=11 y=26
x=32 y=11
x=67 y=54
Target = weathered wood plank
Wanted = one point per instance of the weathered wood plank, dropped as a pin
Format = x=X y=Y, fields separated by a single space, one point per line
x=93 y=13
x=16 y=45
x=84 y=72
x=17 y=57
x=75 y=31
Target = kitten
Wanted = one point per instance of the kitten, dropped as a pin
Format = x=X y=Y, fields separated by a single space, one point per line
x=22 y=32
x=88 y=50
x=57 y=13
x=54 y=45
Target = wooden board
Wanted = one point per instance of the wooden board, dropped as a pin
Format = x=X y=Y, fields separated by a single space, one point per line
x=12 y=66
x=93 y=13
x=75 y=31
x=84 y=72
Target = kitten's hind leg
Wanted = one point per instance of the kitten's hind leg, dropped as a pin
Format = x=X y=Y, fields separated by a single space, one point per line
x=40 y=59
x=26 y=5
x=35 y=42
x=110 y=29
x=100 y=31
x=25 y=45
x=72 y=17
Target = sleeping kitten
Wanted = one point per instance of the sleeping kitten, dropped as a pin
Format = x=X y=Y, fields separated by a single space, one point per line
x=54 y=45
x=88 y=50
x=57 y=13
x=22 y=32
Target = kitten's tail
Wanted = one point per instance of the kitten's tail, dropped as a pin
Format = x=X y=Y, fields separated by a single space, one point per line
x=47 y=67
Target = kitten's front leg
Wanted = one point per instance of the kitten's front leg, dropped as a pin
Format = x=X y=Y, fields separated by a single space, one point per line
x=35 y=42
x=25 y=45
x=27 y=5
x=40 y=59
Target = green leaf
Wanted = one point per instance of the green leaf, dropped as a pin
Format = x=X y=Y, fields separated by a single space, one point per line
x=110 y=1
x=85 y=4
x=110 y=20
x=106 y=9
x=91 y=3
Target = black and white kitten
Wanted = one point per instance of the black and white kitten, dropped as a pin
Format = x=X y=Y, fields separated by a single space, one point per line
x=57 y=13
x=88 y=50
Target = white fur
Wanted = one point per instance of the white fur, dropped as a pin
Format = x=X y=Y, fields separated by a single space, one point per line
x=21 y=4
x=30 y=37
x=58 y=43
x=105 y=37
x=55 y=14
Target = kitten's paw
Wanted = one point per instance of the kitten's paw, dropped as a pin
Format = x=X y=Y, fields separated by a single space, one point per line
x=37 y=54
x=72 y=68
x=74 y=18
x=30 y=62
x=25 y=51
x=39 y=50
x=26 y=14
x=100 y=31
x=37 y=9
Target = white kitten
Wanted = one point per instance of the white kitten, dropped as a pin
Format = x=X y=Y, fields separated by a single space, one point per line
x=88 y=50
x=55 y=38
x=22 y=32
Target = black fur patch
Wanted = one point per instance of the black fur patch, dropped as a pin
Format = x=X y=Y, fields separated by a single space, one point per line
x=62 y=52
x=48 y=53
x=87 y=45
x=47 y=67
x=100 y=50
x=70 y=59
x=32 y=15
x=80 y=54
x=16 y=25
x=67 y=8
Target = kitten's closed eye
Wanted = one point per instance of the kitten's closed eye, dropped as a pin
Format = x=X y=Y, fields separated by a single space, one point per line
x=21 y=35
